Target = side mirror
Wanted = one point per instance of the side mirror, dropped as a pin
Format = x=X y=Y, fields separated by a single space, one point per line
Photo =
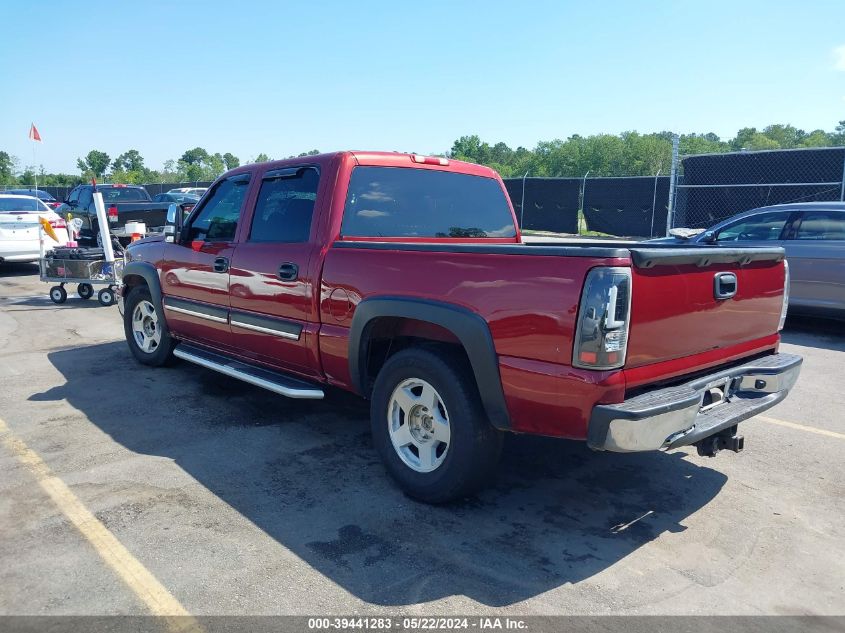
x=71 y=203
x=173 y=223
x=709 y=237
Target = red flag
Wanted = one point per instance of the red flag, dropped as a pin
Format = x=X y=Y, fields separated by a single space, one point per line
x=33 y=133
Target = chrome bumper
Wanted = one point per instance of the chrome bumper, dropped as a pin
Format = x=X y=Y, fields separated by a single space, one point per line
x=684 y=414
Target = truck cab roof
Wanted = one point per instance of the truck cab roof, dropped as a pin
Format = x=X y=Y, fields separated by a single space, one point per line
x=373 y=158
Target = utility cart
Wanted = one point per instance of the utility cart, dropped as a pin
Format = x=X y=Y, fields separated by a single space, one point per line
x=85 y=267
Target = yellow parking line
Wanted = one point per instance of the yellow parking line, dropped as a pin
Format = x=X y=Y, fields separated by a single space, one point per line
x=138 y=578
x=801 y=427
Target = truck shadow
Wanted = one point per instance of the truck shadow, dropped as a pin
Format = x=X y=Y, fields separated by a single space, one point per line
x=814 y=331
x=305 y=473
x=18 y=270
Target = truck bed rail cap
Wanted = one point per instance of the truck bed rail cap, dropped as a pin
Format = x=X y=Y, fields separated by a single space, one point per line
x=702 y=256
x=546 y=250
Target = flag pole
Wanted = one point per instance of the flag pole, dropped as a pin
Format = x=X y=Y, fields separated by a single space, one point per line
x=34 y=136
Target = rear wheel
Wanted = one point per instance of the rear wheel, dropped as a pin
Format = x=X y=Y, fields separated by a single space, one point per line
x=430 y=428
x=106 y=296
x=145 y=329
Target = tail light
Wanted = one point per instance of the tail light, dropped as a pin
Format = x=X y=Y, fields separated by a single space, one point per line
x=112 y=213
x=58 y=224
x=601 y=338
x=785 y=305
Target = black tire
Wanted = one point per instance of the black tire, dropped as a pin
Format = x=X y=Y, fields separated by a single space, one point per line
x=106 y=297
x=474 y=446
x=58 y=295
x=163 y=353
x=85 y=291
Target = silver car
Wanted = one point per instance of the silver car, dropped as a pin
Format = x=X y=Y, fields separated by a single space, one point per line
x=813 y=235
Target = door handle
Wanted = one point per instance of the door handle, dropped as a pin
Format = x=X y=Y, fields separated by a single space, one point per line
x=221 y=264
x=724 y=285
x=288 y=271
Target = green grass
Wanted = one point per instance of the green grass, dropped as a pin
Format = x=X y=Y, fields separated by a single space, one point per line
x=582 y=230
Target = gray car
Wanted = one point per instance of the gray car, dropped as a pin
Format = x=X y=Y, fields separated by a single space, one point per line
x=813 y=235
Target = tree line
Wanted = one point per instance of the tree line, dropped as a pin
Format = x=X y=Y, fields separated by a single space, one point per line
x=194 y=165
x=630 y=153
x=625 y=154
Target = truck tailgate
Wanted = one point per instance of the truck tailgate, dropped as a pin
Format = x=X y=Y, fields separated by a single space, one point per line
x=153 y=214
x=675 y=311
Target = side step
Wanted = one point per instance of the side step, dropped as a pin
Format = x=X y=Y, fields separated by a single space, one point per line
x=254 y=375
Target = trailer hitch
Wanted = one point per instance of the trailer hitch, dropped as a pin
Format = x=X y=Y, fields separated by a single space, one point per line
x=723 y=440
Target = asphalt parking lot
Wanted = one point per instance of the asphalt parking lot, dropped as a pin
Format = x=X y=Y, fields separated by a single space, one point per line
x=235 y=501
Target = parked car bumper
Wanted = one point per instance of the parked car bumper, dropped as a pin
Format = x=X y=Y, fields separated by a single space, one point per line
x=684 y=414
x=19 y=251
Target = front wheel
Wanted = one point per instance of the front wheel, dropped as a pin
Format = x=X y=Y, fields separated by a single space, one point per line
x=145 y=330
x=58 y=295
x=430 y=428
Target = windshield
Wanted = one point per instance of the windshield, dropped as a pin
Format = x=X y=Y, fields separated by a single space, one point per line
x=400 y=202
x=22 y=205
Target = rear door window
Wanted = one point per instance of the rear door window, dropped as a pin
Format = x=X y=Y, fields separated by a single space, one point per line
x=403 y=202
x=757 y=228
x=217 y=220
x=86 y=197
x=821 y=225
x=285 y=205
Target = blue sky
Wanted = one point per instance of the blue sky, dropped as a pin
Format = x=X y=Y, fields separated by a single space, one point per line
x=285 y=77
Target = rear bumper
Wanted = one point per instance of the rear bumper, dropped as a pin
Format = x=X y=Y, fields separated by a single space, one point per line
x=12 y=258
x=19 y=250
x=684 y=414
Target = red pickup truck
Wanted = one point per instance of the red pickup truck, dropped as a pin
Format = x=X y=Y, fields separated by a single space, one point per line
x=404 y=278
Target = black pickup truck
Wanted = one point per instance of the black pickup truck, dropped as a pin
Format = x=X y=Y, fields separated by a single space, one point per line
x=124 y=203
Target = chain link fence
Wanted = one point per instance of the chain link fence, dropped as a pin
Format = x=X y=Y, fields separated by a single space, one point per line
x=712 y=187
x=699 y=191
x=59 y=193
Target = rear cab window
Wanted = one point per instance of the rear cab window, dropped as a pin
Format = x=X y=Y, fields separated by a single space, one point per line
x=397 y=202
x=123 y=194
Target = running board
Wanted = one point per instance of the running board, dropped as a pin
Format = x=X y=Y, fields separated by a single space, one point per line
x=254 y=375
